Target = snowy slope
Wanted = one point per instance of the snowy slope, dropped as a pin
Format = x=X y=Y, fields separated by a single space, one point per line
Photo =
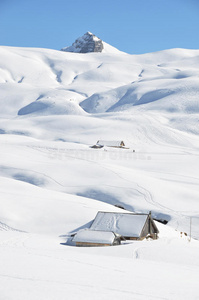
x=53 y=106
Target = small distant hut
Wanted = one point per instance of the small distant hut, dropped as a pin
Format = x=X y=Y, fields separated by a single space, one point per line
x=96 y=238
x=114 y=144
x=129 y=225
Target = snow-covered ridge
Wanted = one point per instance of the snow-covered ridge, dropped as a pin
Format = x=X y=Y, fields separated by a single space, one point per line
x=60 y=83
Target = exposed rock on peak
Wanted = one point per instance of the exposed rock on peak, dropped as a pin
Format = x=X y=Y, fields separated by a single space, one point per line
x=86 y=44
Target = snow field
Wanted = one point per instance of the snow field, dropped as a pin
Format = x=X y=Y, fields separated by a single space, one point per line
x=53 y=107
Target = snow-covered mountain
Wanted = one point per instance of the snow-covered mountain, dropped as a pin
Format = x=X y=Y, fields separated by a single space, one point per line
x=90 y=43
x=53 y=106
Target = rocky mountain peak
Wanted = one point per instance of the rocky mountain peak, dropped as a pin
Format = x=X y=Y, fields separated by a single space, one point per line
x=86 y=44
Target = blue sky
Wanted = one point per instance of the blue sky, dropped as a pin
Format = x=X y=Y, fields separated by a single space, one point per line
x=133 y=26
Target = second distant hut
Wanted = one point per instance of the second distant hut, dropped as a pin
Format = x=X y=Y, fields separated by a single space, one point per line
x=114 y=144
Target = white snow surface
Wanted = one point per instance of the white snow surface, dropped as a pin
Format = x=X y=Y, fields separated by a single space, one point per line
x=53 y=106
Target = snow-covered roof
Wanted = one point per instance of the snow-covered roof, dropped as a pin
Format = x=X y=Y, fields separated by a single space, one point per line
x=93 y=236
x=125 y=224
x=110 y=143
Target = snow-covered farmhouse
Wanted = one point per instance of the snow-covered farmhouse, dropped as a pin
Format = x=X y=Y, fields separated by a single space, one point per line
x=129 y=225
x=93 y=238
x=114 y=144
